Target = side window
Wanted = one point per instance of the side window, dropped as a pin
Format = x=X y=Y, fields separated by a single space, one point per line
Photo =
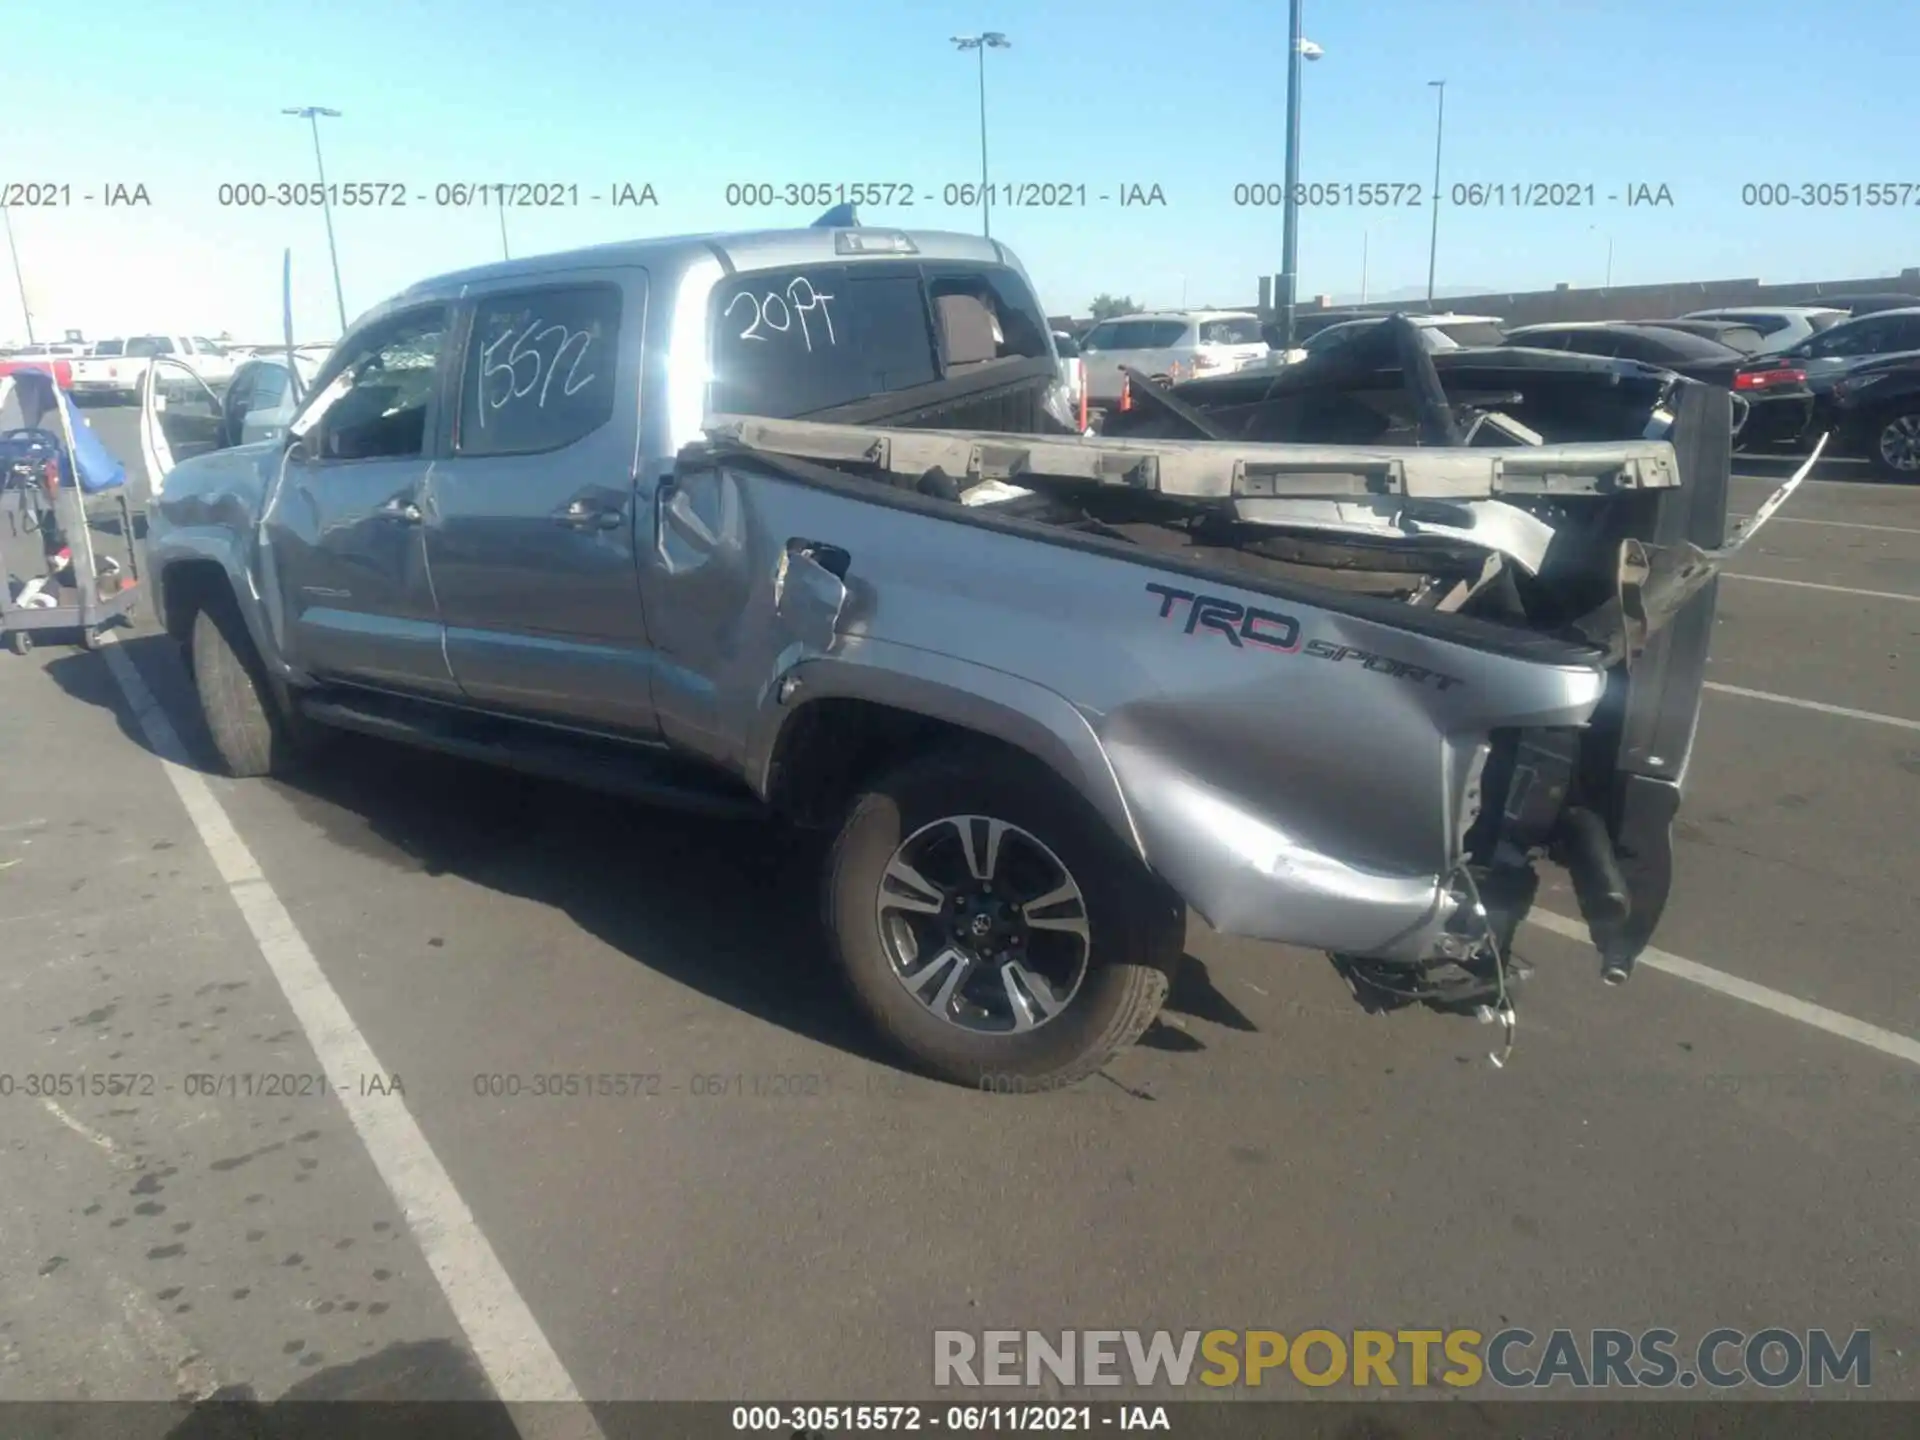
x=376 y=405
x=1905 y=333
x=539 y=370
x=268 y=401
x=1863 y=337
x=1101 y=337
x=1598 y=342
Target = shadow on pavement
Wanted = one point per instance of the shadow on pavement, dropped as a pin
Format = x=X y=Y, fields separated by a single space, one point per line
x=729 y=909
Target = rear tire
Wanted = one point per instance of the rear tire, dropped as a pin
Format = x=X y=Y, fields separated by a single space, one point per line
x=254 y=733
x=1895 y=444
x=1095 y=990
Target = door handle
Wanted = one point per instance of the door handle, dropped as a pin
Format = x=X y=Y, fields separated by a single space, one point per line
x=584 y=515
x=401 y=508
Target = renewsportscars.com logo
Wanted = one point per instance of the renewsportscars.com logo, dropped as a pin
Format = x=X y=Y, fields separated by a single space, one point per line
x=1511 y=1358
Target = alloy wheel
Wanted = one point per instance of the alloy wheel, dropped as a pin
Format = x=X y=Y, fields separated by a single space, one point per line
x=983 y=924
x=1900 y=444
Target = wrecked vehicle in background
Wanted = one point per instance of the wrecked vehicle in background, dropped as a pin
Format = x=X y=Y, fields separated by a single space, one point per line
x=799 y=525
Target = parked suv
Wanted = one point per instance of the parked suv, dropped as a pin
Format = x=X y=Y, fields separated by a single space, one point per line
x=1783 y=325
x=1168 y=345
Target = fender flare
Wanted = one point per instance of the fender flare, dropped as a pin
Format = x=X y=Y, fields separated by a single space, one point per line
x=971 y=697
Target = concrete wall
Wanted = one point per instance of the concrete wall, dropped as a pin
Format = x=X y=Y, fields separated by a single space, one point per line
x=1653 y=302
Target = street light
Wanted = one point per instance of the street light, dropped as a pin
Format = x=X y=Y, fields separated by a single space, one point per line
x=26 y=313
x=1298 y=49
x=311 y=114
x=981 y=43
x=1439 y=134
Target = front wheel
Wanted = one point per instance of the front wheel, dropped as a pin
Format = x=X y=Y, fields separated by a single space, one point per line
x=1895 y=450
x=253 y=731
x=992 y=927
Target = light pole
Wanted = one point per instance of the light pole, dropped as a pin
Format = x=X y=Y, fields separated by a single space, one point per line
x=1298 y=49
x=505 y=254
x=19 y=280
x=311 y=114
x=1439 y=135
x=980 y=44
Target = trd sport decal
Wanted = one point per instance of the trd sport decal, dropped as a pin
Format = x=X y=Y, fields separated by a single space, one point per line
x=1239 y=623
x=1244 y=624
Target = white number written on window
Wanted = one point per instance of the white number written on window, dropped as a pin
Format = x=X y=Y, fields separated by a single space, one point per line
x=776 y=311
x=534 y=355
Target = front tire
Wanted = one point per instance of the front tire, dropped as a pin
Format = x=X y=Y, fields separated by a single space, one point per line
x=252 y=732
x=991 y=926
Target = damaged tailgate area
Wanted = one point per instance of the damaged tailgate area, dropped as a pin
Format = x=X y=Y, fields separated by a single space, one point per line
x=1570 y=498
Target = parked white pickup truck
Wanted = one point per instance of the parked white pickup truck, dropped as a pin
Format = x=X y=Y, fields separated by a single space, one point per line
x=116 y=369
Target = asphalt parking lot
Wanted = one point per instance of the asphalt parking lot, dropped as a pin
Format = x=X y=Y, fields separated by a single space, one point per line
x=1729 y=1140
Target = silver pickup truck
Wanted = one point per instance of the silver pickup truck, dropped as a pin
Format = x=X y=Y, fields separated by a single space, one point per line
x=798 y=523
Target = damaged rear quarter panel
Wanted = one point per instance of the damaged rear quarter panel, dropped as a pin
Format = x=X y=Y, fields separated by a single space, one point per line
x=1287 y=789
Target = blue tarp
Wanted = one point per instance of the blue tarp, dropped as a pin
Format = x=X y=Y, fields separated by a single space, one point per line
x=34 y=391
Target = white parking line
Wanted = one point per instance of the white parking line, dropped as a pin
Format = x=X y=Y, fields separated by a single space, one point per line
x=1887 y=1042
x=1811 y=585
x=507 y=1341
x=1836 y=524
x=1825 y=709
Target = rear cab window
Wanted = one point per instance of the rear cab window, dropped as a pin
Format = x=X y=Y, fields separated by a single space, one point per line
x=146 y=346
x=791 y=342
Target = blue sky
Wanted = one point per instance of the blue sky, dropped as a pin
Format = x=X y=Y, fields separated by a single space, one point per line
x=1696 y=95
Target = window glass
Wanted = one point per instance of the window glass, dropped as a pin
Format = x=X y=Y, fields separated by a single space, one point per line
x=1473 y=333
x=1234 y=330
x=1101 y=336
x=1766 y=324
x=267 y=405
x=540 y=369
x=376 y=405
x=1862 y=337
x=791 y=342
x=109 y=347
x=1337 y=335
x=1145 y=334
x=148 y=345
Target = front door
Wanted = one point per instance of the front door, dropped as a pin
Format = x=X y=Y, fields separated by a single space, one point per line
x=531 y=533
x=180 y=417
x=345 y=522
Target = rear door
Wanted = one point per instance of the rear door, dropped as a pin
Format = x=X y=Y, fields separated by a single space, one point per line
x=531 y=530
x=344 y=524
